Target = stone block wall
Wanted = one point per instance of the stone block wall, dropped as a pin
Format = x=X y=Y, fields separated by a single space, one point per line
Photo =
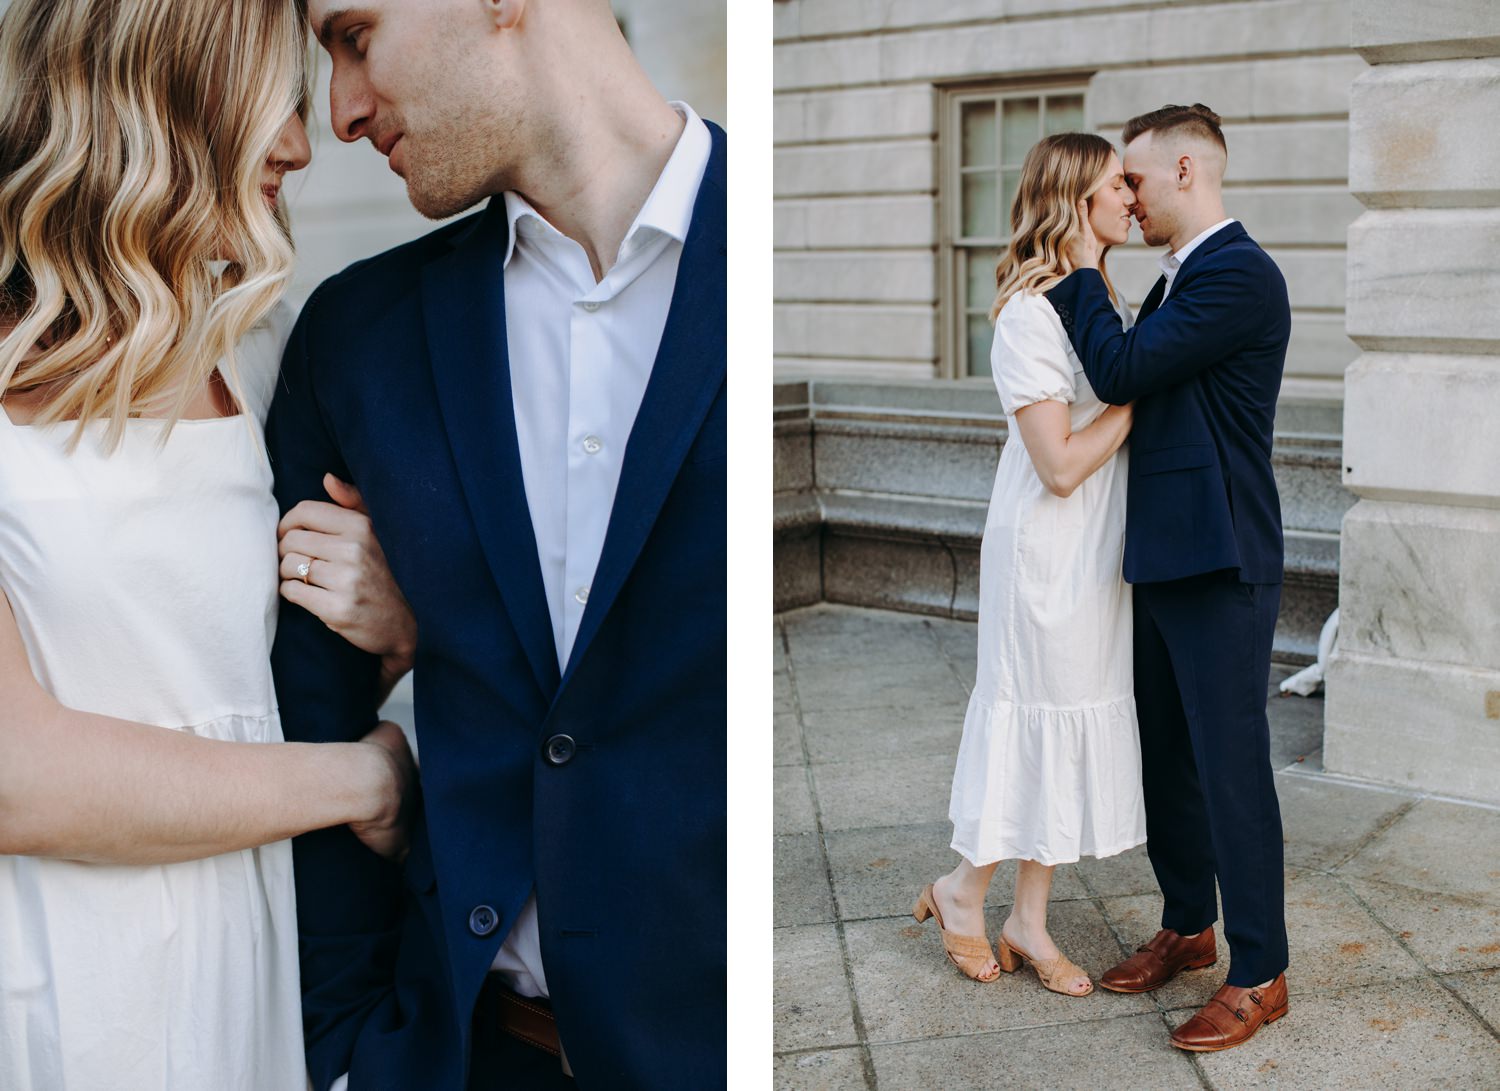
x=859 y=89
x=1414 y=687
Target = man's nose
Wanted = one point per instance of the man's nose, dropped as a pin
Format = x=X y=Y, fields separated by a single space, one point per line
x=349 y=106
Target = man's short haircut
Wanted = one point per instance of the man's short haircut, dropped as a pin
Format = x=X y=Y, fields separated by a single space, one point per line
x=1197 y=120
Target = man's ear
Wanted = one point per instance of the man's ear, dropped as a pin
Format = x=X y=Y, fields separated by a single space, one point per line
x=506 y=14
x=1184 y=171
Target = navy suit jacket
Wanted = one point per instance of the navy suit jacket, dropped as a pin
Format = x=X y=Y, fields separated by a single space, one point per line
x=396 y=378
x=1204 y=370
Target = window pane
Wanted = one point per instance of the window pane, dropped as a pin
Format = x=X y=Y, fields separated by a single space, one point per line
x=1010 y=182
x=1065 y=114
x=980 y=138
x=980 y=291
x=1020 y=128
x=981 y=336
x=981 y=217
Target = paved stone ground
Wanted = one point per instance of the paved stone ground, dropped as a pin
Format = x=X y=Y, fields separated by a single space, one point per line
x=1393 y=906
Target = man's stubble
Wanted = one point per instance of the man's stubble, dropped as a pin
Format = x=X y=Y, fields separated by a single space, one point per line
x=459 y=153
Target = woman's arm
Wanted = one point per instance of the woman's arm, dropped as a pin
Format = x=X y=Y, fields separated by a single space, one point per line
x=87 y=787
x=1063 y=458
x=333 y=567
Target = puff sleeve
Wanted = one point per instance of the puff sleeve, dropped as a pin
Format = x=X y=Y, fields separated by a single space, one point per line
x=1029 y=358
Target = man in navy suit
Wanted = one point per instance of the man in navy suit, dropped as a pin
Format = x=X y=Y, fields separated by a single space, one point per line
x=1203 y=549
x=531 y=401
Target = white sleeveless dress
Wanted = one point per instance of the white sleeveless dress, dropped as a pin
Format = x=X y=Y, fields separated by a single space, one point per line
x=144 y=584
x=1049 y=768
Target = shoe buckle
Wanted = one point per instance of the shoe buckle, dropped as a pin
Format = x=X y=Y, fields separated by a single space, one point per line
x=1240 y=1015
x=1255 y=996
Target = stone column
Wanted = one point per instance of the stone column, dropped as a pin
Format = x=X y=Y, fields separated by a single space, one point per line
x=1414 y=688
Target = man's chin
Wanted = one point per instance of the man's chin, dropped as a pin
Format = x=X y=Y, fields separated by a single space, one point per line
x=435 y=204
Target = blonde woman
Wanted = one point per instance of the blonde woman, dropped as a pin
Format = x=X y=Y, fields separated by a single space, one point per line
x=1049 y=767
x=148 y=935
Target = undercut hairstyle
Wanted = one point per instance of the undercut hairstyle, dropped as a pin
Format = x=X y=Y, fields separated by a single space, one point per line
x=136 y=247
x=1196 y=120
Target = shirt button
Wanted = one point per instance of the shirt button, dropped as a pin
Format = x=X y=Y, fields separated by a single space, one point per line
x=581 y=596
x=483 y=920
x=559 y=749
x=592 y=445
x=591 y=306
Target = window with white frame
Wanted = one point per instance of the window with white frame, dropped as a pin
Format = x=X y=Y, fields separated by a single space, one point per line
x=988 y=134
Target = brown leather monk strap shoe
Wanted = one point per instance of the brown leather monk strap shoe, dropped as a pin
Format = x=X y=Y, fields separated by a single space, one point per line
x=1231 y=1017
x=1153 y=965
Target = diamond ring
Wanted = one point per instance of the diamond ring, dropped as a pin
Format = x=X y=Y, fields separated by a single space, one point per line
x=303 y=569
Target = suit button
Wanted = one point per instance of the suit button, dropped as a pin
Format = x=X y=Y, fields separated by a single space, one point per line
x=559 y=749
x=482 y=920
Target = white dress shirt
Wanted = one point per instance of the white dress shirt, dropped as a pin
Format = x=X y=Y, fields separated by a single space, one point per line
x=581 y=353
x=1173 y=261
x=580 y=357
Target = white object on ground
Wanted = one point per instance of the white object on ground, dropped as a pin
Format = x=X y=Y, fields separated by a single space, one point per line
x=1306 y=681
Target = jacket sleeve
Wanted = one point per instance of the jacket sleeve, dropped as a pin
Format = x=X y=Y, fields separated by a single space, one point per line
x=1212 y=315
x=348 y=898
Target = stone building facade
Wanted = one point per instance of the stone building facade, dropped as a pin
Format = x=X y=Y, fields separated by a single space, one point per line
x=1414 y=687
x=898 y=129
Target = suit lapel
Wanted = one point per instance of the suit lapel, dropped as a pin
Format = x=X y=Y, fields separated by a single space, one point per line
x=1221 y=237
x=1153 y=297
x=685 y=378
x=463 y=301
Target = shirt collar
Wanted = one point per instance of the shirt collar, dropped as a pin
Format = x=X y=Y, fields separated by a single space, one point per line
x=1175 y=260
x=668 y=207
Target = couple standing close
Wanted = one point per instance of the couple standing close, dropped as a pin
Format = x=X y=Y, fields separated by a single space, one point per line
x=1103 y=718
x=529 y=403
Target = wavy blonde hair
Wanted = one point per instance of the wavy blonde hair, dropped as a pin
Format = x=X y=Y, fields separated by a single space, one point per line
x=133 y=137
x=1058 y=172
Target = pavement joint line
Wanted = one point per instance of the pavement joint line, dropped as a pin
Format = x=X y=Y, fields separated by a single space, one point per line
x=943 y=651
x=1432 y=974
x=1375 y=834
x=867 y=1062
x=1055 y=1023
x=989 y=907
x=1125 y=952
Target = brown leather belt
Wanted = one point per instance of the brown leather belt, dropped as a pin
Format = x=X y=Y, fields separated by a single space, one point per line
x=528 y=1018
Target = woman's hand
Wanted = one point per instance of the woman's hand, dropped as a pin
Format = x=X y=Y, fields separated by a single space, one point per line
x=1083 y=248
x=394 y=783
x=333 y=566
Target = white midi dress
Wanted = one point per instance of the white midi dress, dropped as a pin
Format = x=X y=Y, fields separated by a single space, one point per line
x=1049 y=768
x=144 y=585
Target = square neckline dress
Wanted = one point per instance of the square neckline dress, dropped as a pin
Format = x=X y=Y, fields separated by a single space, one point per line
x=1049 y=766
x=144 y=584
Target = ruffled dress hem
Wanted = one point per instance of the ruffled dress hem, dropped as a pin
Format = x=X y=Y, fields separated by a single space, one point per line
x=1047 y=784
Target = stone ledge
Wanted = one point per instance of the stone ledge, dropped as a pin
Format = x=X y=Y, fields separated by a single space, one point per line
x=1399 y=30
x=892 y=482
